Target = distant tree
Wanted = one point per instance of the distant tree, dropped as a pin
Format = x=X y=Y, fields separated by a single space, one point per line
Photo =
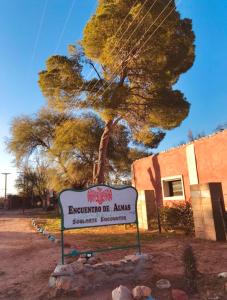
x=221 y=127
x=32 y=182
x=136 y=67
x=192 y=137
x=181 y=143
x=29 y=134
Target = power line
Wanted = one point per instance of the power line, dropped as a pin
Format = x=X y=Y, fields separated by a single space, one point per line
x=115 y=75
x=159 y=25
x=119 y=28
x=39 y=30
x=111 y=52
x=138 y=25
x=65 y=25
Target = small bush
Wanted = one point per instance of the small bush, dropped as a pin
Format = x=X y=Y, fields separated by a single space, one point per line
x=178 y=216
x=190 y=269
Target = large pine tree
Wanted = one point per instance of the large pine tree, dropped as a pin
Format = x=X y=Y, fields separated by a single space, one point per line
x=137 y=49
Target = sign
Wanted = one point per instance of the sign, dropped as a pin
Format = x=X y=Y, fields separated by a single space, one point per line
x=99 y=205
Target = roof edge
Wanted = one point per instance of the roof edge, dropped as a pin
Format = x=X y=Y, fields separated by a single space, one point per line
x=184 y=145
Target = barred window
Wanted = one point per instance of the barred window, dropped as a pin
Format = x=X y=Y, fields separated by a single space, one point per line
x=173 y=188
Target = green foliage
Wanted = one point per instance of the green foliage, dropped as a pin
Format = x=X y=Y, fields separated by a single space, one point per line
x=61 y=80
x=178 y=216
x=70 y=146
x=29 y=134
x=190 y=269
x=135 y=70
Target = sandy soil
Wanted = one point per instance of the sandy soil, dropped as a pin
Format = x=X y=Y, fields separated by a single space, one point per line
x=27 y=260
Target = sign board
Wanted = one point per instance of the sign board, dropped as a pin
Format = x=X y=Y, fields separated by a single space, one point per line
x=98 y=206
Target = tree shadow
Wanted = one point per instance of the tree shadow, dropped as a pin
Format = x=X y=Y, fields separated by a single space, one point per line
x=155 y=177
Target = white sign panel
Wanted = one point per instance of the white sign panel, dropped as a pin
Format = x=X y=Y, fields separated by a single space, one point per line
x=98 y=206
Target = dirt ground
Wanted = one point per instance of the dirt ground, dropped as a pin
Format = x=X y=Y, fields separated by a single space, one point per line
x=27 y=259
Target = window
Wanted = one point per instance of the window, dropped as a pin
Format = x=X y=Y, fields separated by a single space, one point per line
x=173 y=188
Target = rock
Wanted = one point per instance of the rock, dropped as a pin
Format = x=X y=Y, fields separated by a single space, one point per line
x=100 y=265
x=92 y=261
x=116 y=264
x=121 y=293
x=52 y=282
x=66 y=270
x=179 y=295
x=163 y=284
x=51 y=238
x=222 y=275
x=140 y=291
x=86 y=274
x=133 y=258
x=63 y=282
x=82 y=260
x=144 y=256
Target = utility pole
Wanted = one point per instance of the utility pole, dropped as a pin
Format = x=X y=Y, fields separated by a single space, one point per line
x=23 y=174
x=6 y=174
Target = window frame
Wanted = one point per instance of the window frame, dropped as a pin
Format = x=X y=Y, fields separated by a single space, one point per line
x=172 y=178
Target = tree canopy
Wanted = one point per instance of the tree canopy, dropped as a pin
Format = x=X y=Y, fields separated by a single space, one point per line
x=137 y=50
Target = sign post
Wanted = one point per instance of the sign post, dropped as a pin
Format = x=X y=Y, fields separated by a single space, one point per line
x=96 y=206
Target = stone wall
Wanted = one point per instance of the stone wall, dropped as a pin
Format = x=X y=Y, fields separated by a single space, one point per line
x=82 y=275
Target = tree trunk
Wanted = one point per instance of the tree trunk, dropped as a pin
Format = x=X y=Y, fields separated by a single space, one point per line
x=103 y=146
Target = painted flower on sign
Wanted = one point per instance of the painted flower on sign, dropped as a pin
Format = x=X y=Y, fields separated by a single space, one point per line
x=99 y=195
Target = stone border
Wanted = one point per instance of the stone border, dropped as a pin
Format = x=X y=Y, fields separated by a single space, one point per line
x=45 y=233
x=86 y=274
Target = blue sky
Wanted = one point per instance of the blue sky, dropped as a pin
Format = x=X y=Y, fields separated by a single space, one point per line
x=32 y=30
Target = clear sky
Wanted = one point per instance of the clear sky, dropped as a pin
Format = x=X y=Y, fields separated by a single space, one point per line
x=32 y=30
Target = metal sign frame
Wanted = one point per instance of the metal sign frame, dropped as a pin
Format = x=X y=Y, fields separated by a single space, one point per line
x=90 y=252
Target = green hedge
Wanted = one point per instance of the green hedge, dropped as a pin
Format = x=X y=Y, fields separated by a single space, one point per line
x=178 y=216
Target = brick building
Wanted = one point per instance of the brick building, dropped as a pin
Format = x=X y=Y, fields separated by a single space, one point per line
x=169 y=174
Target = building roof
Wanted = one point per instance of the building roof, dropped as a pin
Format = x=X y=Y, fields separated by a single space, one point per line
x=186 y=144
